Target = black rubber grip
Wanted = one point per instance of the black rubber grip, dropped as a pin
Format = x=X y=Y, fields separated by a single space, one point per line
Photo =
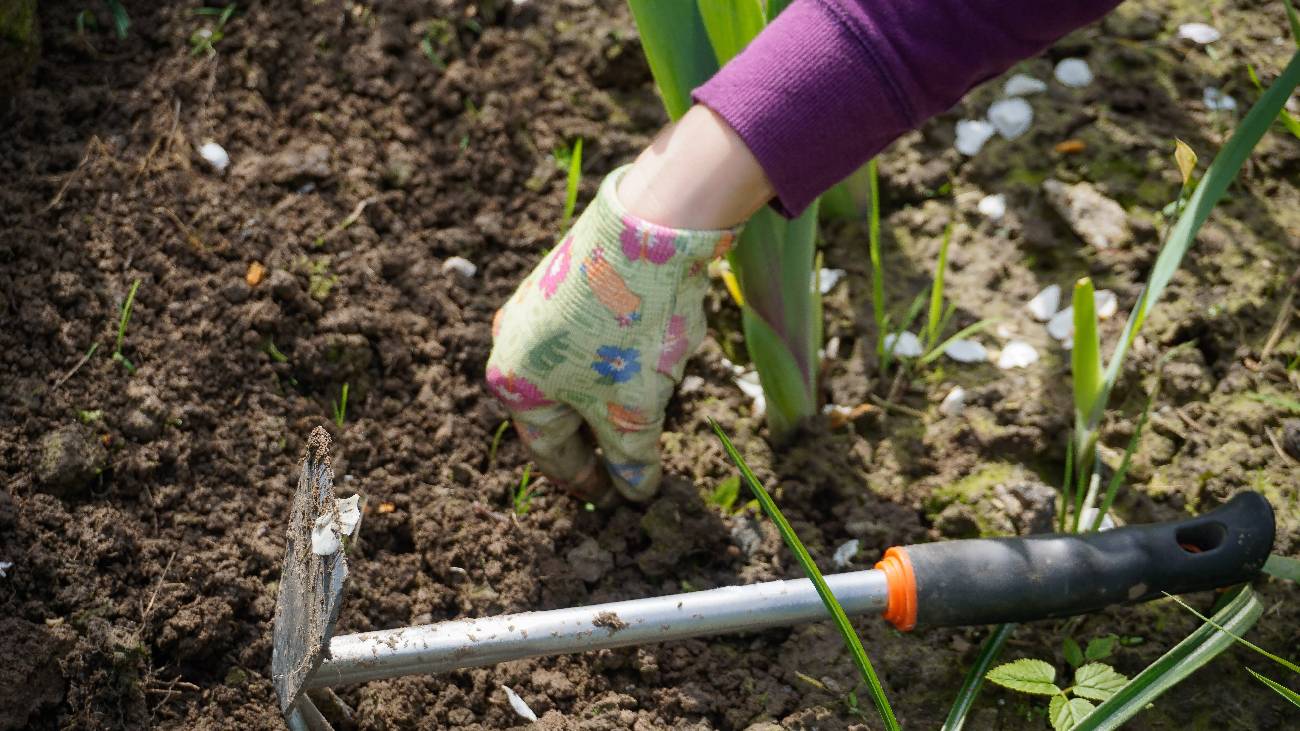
x=989 y=581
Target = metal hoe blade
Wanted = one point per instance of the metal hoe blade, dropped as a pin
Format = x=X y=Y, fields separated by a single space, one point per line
x=311 y=589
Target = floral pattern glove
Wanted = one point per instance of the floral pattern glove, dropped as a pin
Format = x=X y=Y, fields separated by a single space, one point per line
x=598 y=334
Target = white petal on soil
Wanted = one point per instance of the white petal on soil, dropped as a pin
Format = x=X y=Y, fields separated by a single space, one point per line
x=4 y=568
x=993 y=206
x=1106 y=303
x=828 y=278
x=1216 y=101
x=518 y=704
x=749 y=385
x=1199 y=33
x=967 y=351
x=1073 y=72
x=1022 y=85
x=460 y=265
x=349 y=514
x=691 y=384
x=909 y=345
x=1017 y=354
x=1011 y=117
x=843 y=555
x=972 y=134
x=324 y=536
x=1061 y=326
x=954 y=403
x=1044 y=304
x=215 y=155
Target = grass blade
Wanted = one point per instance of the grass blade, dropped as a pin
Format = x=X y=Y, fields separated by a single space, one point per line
x=571 y=185
x=810 y=568
x=1067 y=486
x=1282 y=690
x=936 y=292
x=877 y=269
x=1198 y=648
x=970 y=686
x=1279 y=660
x=1117 y=479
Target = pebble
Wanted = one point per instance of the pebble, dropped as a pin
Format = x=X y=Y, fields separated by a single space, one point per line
x=1017 y=354
x=518 y=704
x=972 y=134
x=967 y=351
x=994 y=207
x=70 y=457
x=1199 y=33
x=1044 y=304
x=1011 y=117
x=954 y=403
x=908 y=345
x=1097 y=220
x=1073 y=72
x=1022 y=85
x=215 y=155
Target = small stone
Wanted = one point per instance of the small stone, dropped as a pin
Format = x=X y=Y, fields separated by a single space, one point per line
x=70 y=457
x=1061 y=326
x=904 y=344
x=1097 y=220
x=1017 y=354
x=1023 y=85
x=967 y=351
x=1044 y=304
x=1011 y=117
x=954 y=403
x=691 y=384
x=215 y=155
x=1073 y=72
x=255 y=274
x=1199 y=33
x=994 y=207
x=972 y=134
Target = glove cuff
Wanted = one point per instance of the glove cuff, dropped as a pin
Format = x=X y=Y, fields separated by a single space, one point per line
x=641 y=239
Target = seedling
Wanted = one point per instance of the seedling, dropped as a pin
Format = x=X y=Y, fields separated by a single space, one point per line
x=523 y=498
x=437 y=36
x=496 y=442
x=1095 y=681
x=570 y=159
x=205 y=39
x=274 y=352
x=123 y=320
x=340 y=407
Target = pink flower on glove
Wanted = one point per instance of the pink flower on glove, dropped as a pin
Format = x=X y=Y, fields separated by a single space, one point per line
x=652 y=243
x=516 y=392
x=674 y=347
x=557 y=270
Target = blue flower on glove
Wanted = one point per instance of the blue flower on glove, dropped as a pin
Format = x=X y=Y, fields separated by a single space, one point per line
x=615 y=364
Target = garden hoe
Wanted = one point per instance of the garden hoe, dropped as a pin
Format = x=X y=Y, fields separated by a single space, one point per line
x=961 y=582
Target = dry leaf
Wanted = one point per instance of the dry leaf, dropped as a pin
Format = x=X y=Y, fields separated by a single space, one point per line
x=256 y=272
x=1071 y=146
x=1185 y=156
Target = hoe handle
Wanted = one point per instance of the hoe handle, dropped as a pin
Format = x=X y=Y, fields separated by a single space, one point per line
x=989 y=581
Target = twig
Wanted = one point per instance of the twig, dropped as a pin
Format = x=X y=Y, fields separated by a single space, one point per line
x=91 y=146
x=1277 y=445
x=63 y=379
x=190 y=236
x=144 y=617
x=351 y=219
x=891 y=406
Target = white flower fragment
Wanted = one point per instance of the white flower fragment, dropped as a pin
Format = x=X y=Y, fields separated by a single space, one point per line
x=1216 y=101
x=1011 y=117
x=1073 y=72
x=1023 y=85
x=828 y=278
x=954 y=403
x=215 y=155
x=4 y=568
x=904 y=344
x=1061 y=326
x=1017 y=354
x=518 y=705
x=967 y=351
x=1044 y=304
x=971 y=135
x=845 y=553
x=749 y=385
x=993 y=207
x=460 y=265
x=327 y=532
x=1199 y=33
x=691 y=384
x=1106 y=303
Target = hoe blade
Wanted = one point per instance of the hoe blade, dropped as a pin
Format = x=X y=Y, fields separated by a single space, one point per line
x=311 y=586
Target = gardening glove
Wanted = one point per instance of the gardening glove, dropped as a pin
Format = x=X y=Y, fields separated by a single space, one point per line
x=598 y=334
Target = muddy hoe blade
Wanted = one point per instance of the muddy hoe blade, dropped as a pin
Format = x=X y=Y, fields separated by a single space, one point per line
x=311 y=588
x=949 y=583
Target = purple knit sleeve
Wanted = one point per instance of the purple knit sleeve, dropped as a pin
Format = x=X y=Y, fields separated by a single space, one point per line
x=830 y=83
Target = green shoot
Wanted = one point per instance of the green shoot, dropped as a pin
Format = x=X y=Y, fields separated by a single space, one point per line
x=814 y=575
x=496 y=442
x=121 y=21
x=274 y=352
x=725 y=494
x=1085 y=359
x=877 y=268
x=934 y=320
x=523 y=498
x=86 y=19
x=1290 y=122
x=124 y=319
x=437 y=34
x=341 y=407
x=574 y=164
x=204 y=40
x=1279 y=660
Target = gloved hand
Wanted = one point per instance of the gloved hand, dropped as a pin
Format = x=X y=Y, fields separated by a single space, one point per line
x=599 y=333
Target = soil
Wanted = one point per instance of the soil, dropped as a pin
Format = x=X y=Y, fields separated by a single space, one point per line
x=144 y=510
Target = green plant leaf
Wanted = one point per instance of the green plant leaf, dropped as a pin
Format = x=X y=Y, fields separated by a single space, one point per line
x=1066 y=714
x=1117 y=479
x=677 y=46
x=796 y=546
x=1085 y=357
x=1100 y=647
x=1294 y=19
x=932 y=322
x=1279 y=660
x=1282 y=690
x=1280 y=402
x=788 y=398
x=1072 y=652
x=725 y=494
x=877 y=268
x=1026 y=675
x=1291 y=123
x=974 y=680
x=1282 y=567
x=1097 y=681
x=571 y=183
x=121 y=21
x=1238 y=615
x=731 y=25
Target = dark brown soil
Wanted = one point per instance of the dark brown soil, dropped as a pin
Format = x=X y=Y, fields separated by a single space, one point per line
x=144 y=511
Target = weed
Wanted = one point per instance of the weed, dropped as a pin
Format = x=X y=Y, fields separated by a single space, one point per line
x=496 y=442
x=123 y=320
x=205 y=39
x=340 y=407
x=523 y=497
x=570 y=159
x=1094 y=681
x=274 y=352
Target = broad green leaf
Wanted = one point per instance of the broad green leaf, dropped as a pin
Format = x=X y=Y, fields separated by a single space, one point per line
x=1213 y=185
x=849 y=635
x=1282 y=567
x=1026 y=675
x=1073 y=653
x=731 y=25
x=1185 y=156
x=1066 y=714
x=677 y=47
x=1282 y=690
x=1198 y=648
x=970 y=685
x=1100 y=647
x=1097 y=681
x=788 y=398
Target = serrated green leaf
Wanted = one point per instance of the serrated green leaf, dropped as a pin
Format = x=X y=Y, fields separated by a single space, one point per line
x=1097 y=681
x=1026 y=675
x=1073 y=653
x=1066 y=714
x=1282 y=690
x=1100 y=647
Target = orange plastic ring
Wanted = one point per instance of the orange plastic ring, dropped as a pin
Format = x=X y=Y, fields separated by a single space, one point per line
x=901 y=580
